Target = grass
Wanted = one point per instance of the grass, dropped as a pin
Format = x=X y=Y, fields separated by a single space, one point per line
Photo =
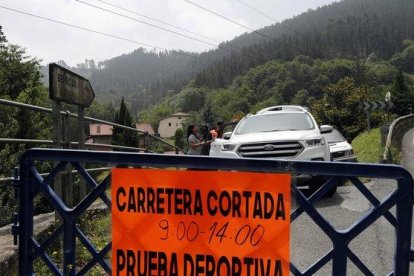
x=368 y=149
x=97 y=227
x=367 y=146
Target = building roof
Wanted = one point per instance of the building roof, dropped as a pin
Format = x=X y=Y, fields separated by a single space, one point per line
x=178 y=114
x=100 y=130
x=146 y=127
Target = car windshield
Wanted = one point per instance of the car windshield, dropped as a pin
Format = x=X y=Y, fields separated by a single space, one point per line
x=275 y=122
x=334 y=137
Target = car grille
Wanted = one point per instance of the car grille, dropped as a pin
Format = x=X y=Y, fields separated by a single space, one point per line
x=270 y=149
x=337 y=154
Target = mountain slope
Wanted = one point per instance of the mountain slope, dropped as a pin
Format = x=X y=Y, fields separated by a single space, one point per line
x=347 y=29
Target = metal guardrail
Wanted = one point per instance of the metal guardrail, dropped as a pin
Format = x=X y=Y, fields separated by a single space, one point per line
x=397 y=129
x=89 y=145
x=65 y=113
x=10 y=179
x=31 y=182
x=50 y=142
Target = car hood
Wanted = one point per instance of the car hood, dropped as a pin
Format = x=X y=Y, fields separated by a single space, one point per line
x=340 y=146
x=275 y=136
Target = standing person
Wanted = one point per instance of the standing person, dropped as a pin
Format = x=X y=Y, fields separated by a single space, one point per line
x=194 y=143
x=206 y=137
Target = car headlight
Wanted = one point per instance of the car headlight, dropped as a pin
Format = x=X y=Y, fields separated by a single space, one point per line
x=316 y=142
x=228 y=147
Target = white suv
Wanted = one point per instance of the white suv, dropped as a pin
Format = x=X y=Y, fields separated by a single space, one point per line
x=277 y=132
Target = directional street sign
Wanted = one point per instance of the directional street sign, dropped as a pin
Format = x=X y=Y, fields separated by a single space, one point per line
x=67 y=86
x=378 y=105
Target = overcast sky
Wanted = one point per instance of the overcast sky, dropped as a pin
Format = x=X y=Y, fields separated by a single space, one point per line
x=52 y=42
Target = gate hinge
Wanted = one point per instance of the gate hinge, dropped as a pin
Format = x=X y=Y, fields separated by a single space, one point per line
x=15 y=227
x=16 y=182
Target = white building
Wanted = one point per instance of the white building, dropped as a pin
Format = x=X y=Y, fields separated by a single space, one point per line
x=170 y=124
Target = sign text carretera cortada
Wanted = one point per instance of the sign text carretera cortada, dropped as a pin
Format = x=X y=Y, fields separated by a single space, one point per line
x=167 y=222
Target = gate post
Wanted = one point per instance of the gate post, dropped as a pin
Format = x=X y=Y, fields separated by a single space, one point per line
x=339 y=257
x=404 y=213
x=67 y=185
x=57 y=144
x=26 y=220
x=69 y=247
x=81 y=140
x=146 y=141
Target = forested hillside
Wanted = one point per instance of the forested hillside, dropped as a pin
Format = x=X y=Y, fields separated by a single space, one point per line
x=333 y=89
x=349 y=29
x=356 y=45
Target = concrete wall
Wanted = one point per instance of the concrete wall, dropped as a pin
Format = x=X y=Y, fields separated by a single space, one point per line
x=396 y=132
x=9 y=251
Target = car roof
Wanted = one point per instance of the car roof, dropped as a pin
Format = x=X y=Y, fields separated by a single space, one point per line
x=282 y=108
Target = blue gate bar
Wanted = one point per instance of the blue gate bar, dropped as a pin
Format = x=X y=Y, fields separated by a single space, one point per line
x=32 y=181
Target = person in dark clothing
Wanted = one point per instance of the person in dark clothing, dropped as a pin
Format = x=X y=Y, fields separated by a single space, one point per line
x=195 y=144
x=205 y=150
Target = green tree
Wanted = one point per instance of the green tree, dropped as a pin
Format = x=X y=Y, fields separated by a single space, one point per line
x=179 y=138
x=19 y=81
x=302 y=98
x=402 y=96
x=404 y=60
x=192 y=99
x=339 y=107
x=208 y=113
x=121 y=136
x=3 y=39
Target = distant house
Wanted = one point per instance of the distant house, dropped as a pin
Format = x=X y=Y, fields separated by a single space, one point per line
x=100 y=133
x=145 y=127
x=170 y=124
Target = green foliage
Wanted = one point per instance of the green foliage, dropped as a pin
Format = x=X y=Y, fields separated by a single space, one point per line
x=394 y=156
x=405 y=60
x=17 y=71
x=121 y=136
x=371 y=30
x=154 y=114
x=19 y=81
x=101 y=110
x=179 y=138
x=339 y=107
x=192 y=98
x=96 y=224
x=402 y=95
x=367 y=146
x=324 y=84
x=302 y=98
x=2 y=38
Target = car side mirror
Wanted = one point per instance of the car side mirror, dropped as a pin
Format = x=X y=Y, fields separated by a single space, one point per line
x=326 y=129
x=227 y=135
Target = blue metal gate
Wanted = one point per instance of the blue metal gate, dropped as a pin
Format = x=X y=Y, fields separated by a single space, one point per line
x=32 y=183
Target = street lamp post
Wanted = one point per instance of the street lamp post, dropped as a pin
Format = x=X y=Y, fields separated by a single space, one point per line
x=387 y=101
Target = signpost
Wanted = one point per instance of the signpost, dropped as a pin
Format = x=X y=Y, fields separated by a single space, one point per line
x=378 y=105
x=375 y=105
x=68 y=87
x=168 y=222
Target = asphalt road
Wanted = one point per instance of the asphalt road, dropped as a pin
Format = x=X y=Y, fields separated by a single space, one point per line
x=375 y=246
